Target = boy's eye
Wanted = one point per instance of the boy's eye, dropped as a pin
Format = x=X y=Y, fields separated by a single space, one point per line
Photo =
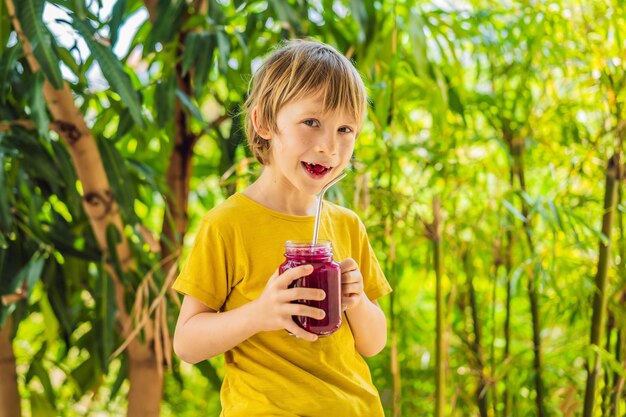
x=311 y=123
x=345 y=129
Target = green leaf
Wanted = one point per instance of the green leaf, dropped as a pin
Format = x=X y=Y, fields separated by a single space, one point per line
x=189 y=50
x=112 y=70
x=7 y=64
x=609 y=362
x=51 y=329
x=286 y=13
x=29 y=13
x=119 y=178
x=189 y=105
x=165 y=97
x=515 y=212
x=207 y=369
x=40 y=406
x=5 y=27
x=167 y=23
x=555 y=213
x=122 y=374
x=6 y=220
x=117 y=17
x=87 y=376
x=68 y=59
x=38 y=109
x=28 y=274
x=56 y=291
x=113 y=238
x=223 y=46
x=204 y=51
x=39 y=165
x=124 y=126
x=454 y=102
x=105 y=319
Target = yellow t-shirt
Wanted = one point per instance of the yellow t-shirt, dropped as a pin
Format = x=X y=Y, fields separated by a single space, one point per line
x=239 y=245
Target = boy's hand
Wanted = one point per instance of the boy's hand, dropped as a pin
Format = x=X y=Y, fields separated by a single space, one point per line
x=274 y=307
x=351 y=284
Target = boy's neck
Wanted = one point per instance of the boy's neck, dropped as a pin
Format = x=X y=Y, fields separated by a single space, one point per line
x=279 y=196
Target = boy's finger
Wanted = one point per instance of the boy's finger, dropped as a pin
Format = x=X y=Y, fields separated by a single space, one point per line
x=302 y=293
x=274 y=275
x=294 y=273
x=300 y=333
x=348 y=265
x=351 y=277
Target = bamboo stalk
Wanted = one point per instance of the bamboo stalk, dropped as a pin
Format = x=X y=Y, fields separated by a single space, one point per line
x=392 y=270
x=481 y=387
x=508 y=265
x=434 y=233
x=601 y=282
x=516 y=146
x=618 y=385
x=620 y=349
x=608 y=376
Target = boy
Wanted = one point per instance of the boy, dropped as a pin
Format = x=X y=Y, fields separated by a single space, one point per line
x=304 y=112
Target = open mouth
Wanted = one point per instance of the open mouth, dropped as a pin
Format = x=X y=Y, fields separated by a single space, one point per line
x=316 y=170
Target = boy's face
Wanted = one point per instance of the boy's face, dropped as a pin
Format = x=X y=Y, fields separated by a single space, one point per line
x=310 y=148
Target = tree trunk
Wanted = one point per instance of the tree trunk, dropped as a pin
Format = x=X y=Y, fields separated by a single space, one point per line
x=9 y=394
x=146 y=381
x=601 y=282
x=101 y=209
x=175 y=219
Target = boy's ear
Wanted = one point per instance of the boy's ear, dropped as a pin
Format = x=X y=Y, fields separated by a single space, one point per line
x=260 y=130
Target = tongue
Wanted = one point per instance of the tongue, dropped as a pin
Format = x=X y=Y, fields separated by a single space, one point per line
x=318 y=169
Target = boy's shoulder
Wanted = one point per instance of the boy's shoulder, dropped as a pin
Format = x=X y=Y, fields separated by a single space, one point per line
x=225 y=213
x=338 y=212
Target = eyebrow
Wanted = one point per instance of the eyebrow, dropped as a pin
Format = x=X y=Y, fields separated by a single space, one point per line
x=317 y=113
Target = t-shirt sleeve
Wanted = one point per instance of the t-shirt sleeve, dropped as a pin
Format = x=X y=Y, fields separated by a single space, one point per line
x=206 y=274
x=374 y=280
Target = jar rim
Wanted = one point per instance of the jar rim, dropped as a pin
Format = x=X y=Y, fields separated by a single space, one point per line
x=301 y=244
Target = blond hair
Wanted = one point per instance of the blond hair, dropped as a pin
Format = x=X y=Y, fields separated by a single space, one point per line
x=299 y=69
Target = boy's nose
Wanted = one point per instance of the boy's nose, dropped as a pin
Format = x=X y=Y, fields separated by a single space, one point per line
x=327 y=143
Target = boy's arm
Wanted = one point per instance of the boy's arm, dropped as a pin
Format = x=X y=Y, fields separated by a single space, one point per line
x=369 y=326
x=367 y=320
x=202 y=333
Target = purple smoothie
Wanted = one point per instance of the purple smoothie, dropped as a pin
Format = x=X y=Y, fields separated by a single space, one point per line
x=326 y=275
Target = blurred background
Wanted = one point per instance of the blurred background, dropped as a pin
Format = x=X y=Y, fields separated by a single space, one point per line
x=490 y=175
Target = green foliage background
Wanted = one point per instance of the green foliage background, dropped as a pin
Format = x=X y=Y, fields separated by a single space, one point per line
x=464 y=96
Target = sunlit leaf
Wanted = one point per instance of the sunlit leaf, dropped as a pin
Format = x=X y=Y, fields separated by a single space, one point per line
x=189 y=105
x=117 y=17
x=39 y=112
x=515 y=212
x=112 y=70
x=40 y=406
x=29 y=13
